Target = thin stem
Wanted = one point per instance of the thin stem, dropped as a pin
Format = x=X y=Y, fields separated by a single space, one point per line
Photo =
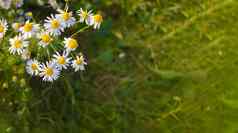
x=48 y=53
x=81 y=30
x=73 y=55
x=70 y=91
x=53 y=47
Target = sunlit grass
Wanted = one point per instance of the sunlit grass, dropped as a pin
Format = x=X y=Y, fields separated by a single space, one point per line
x=156 y=66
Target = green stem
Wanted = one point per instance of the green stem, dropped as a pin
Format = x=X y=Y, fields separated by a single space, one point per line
x=81 y=30
x=70 y=90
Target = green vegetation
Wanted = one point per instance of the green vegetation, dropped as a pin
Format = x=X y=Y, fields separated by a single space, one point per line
x=159 y=66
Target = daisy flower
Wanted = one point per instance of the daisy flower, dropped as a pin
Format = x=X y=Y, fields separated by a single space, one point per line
x=32 y=67
x=16 y=26
x=53 y=26
x=79 y=63
x=3 y=27
x=45 y=38
x=66 y=18
x=18 y=44
x=53 y=4
x=29 y=29
x=5 y=4
x=70 y=44
x=97 y=20
x=49 y=71
x=62 y=60
x=26 y=54
x=18 y=3
x=85 y=16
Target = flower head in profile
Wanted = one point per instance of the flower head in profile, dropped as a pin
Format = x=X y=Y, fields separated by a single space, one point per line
x=28 y=15
x=97 y=20
x=62 y=60
x=66 y=18
x=26 y=54
x=85 y=16
x=32 y=67
x=3 y=27
x=29 y=29
x=49 y=71
x=16 y=26
x=17 y=45
x=53 y=25
x=70 y=44
x=45 y=38
x=79 y=63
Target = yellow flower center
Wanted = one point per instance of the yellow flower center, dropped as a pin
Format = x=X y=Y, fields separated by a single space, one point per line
x=28 y=27
x=46 y=38
x=66 y=16
x=18 y=44
x=1 y=29
x=98 y=18
x=34 y=66
x=61 y=60
x=29 y=14
x=49 y=71
x=72 y=44
x=79 y=61
x=84 y=14
x=55 y=24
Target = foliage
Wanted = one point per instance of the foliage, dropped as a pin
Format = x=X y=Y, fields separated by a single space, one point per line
x=155 y=66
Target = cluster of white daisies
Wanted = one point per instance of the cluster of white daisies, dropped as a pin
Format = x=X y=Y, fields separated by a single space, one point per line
x=53 y=26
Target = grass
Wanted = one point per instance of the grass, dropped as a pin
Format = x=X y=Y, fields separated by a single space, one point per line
x=170 y=69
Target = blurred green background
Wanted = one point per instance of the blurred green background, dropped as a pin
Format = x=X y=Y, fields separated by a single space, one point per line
x=155 y=66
